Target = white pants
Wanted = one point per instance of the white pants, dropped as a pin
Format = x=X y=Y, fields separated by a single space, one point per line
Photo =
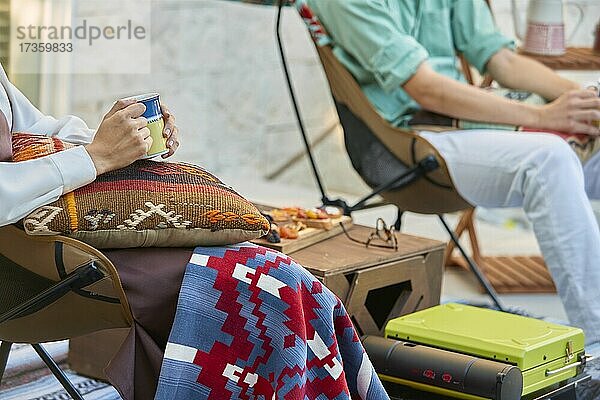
x=541 y=173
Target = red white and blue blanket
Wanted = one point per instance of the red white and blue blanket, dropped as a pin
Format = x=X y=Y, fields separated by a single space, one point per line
x=253 y=324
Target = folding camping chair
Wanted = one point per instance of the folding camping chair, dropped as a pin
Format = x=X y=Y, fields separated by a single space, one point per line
x=54 y=288
x=414 y=175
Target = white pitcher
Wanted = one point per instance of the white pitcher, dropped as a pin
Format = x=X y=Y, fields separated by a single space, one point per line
x=545 y=33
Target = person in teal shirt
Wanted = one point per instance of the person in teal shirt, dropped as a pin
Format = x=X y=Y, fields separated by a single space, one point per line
x=390 y=44
x=403 y=55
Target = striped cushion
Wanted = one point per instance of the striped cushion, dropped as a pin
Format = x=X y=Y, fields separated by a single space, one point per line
x=147 y=204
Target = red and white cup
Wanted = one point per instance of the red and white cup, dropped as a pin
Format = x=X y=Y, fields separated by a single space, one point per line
x=546 y=29
x=545 y=39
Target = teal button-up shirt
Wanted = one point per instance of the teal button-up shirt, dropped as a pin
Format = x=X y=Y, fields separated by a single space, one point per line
x=383 y=42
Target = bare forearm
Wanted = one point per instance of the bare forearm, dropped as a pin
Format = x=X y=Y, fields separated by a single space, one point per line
x=520 y=72
x=446 y=96
x=571 y=112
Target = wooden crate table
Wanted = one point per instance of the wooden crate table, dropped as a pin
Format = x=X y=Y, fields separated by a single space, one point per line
x=377 y=284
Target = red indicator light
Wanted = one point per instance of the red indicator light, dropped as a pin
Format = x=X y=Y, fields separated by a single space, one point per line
x=429 y=374
x=447 y=378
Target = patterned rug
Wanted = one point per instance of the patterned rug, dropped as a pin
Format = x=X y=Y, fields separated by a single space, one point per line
x=27 y=378
x=48 y=388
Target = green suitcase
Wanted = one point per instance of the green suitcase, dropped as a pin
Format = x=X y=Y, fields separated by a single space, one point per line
x=545 y=353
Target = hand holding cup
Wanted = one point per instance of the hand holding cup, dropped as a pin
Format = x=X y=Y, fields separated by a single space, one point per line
x=170 y=133
x=122 y=138
x=156 y=123
x=135 y=128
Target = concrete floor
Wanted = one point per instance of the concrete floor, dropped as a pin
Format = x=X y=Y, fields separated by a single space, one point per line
x=458 y=284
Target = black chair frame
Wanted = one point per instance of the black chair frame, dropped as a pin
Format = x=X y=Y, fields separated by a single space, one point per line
x=78 y=279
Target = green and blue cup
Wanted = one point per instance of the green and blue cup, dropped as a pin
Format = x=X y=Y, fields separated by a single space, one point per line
x=156 y=123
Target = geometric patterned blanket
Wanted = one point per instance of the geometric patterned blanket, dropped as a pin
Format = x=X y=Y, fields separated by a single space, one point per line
x=253 y=324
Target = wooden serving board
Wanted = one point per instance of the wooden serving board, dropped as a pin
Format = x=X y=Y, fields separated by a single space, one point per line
x=307 y=237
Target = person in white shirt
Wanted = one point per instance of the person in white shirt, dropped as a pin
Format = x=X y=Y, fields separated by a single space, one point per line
x=121 y=139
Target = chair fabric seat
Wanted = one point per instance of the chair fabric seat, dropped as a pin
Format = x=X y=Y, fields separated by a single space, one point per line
x=29 y=265
x=18 y=284
x=372 y=142
x=370 y=158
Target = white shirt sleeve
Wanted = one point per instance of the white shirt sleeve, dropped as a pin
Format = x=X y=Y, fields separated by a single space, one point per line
x=28 y=119
x=25 y=186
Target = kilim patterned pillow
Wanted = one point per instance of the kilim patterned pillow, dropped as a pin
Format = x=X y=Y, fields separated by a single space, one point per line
x=147 y=204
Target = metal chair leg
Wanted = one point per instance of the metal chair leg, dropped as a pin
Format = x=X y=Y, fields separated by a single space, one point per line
x=4 y=352
x=474 y=267
x=398 y=223
x=57 y=372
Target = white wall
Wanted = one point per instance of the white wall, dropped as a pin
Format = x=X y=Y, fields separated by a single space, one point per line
x=216 y=66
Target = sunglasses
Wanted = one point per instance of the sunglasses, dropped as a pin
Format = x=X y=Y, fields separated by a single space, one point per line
x=382 y=237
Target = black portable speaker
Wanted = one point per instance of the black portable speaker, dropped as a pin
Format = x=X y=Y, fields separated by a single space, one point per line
x=455 y=373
